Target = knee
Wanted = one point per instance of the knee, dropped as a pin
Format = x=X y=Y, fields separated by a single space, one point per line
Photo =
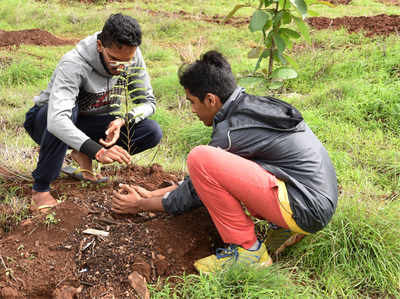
x=155 y=133
x=198 y=157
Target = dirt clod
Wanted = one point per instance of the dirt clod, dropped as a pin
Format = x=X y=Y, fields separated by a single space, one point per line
x=138 y=282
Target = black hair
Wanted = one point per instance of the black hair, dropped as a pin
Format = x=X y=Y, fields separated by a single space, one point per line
x=211 y=74
x=120 y=30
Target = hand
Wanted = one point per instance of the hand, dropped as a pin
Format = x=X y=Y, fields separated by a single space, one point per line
x=115 y=153
x=126 y=200
x=113 y=132
x=143 y=192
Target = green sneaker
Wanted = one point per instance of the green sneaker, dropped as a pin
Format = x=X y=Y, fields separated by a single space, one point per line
x=226 y=257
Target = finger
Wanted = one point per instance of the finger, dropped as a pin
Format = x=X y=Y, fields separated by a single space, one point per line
x=125 y=154
x=128 y=188
x=115 y=157
x=142 y=191
x=116 y=210
x=105 y=143
x=105 y=160
x=117 y=195
x=122 y=155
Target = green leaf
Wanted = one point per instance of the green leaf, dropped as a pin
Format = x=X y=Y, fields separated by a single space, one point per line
x=283 y=73
x=251 y=82
x=303 y=29
x=277 y=19
x=267 y=25
x=279 y=57
x=284 y=4
x=301 y=6
x=275 y=84
x=255 y=52
x=258 y=20
x=286 y=17
x=279 y=42
x=289 y=33
x=268 y=3
x=233 y=11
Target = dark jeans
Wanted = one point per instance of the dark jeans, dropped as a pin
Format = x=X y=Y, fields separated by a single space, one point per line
x=144 y=135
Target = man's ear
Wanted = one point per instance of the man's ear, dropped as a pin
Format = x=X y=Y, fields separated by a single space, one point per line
x=99 y=46
x=212 y=99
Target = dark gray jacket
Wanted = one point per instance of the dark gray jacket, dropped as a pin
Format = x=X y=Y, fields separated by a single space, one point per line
x=273 y=134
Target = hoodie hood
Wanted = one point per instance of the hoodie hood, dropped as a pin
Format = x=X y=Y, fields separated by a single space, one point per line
x=268 y=112
x=87 y=49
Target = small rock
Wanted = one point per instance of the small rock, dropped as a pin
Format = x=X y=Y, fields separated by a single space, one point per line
x=37 y=243
x=170 y=250
x=138 y=282
x=142 y=267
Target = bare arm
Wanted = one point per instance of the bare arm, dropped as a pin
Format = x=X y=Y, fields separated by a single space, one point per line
x=131 y=200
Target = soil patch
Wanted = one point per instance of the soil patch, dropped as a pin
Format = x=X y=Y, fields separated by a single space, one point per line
x=50 y=253
x=32 y=37
x=374 y=25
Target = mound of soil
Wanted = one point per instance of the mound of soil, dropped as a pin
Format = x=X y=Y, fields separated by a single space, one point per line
x=32 y=37
x=50 y=254
x=374 y=25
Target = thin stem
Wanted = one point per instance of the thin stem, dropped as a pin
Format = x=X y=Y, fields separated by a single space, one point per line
x=271 y=53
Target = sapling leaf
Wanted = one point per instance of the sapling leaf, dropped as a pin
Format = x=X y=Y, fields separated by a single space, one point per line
x=301 y=6
x=303 y=29
x=289 y=33
x=275 y=84
x=136 y=90
x=258 y=20
x=284 y=73
x=279 y=57
x=279 y=42
x=286 y=17
x=255 y=52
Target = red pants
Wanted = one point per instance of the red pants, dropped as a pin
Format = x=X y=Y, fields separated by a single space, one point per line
x=224 y=182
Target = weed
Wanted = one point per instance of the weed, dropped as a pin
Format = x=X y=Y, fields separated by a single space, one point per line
x=51 y=219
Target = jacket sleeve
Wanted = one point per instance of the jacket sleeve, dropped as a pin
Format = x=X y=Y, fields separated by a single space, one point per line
x=182 y=199
x=66 y=81
x=140 y=89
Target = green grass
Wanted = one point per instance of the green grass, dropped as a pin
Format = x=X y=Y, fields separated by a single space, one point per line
x=347 y=89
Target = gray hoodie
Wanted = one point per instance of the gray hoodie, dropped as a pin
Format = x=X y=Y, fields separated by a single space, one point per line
x=273 y=134
x=80 y=79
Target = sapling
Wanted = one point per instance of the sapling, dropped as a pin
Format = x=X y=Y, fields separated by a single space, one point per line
x=272 y=18
x=127 y=93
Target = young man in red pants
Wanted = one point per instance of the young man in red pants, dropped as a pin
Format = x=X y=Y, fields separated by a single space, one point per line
x=262 y=156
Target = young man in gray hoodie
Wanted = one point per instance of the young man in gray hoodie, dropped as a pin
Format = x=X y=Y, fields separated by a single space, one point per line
x=78 y=108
